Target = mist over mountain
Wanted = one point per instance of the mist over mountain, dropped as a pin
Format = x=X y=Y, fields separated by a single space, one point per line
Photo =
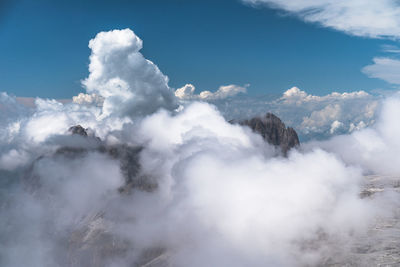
x=274 y=131
x=135 y=173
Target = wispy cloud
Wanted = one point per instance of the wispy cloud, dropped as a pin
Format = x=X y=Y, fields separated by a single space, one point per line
x=390 y=49
x=367 y=18
x=385 y=68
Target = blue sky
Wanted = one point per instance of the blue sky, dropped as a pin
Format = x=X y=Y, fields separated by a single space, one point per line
x=43 y=46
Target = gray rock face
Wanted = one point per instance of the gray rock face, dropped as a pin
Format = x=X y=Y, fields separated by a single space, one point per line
x=88 y=242
x=128 y=157
x=78 y=130
x=274 y=131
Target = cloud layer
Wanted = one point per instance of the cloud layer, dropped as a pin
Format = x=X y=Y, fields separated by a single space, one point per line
x=222 y=196
x=312 y=116
x=373 y=148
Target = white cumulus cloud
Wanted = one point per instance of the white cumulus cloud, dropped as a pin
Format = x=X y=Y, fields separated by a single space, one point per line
x=224 y=91
x=89 y=99
x=129 y=83
x=297 y=96
x=335 y=126
x=310 y=115
x=375 y=148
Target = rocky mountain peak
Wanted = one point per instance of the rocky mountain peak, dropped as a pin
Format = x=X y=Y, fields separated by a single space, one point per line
x=78 y=129
x=274 y=131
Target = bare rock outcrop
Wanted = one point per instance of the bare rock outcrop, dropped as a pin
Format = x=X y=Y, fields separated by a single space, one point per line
x=274 y=131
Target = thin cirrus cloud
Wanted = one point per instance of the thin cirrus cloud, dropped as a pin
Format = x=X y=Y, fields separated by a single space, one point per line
x=390 y=49
x=366 y=18
x=384 y=68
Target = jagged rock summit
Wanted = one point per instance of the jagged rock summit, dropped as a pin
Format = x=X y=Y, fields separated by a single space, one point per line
x=78 y=129
x=274 y=131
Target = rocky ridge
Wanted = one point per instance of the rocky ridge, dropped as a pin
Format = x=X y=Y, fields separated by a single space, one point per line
x=89 y=242
x=274 y=131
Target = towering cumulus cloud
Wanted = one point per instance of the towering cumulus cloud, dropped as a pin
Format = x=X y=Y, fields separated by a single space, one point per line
x=146 y=184
x=130 y=84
